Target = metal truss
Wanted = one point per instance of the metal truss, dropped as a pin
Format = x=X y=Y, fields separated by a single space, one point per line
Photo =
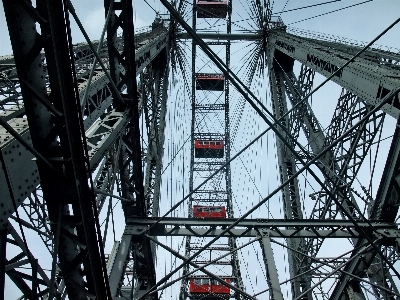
x=287 y=164
x=39 y=281
x=280 y=105
x=96 y=101
x=132 y=267
x=79 y=242
x=70 y=111
x=217 y=191
x=251 y=228
x=154 y=91
x=103 y=136
x=326 y=60
x=337 y=169
x=342 y=163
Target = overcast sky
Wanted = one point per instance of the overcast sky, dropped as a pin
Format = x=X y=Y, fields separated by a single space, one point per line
x=361 y=23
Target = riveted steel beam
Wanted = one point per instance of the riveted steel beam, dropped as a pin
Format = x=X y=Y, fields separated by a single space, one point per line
x=223 y=36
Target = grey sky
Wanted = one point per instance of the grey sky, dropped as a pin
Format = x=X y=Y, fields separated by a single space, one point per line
x=361 y=23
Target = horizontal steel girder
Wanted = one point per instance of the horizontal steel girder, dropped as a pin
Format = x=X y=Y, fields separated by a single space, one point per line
x=252 y=228
x=223 y=36
x=366 y=79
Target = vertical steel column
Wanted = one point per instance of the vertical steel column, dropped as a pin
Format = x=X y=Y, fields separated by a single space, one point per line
x=193 y=104
x=156 y=101
x=354 y=291
x=236 y=273
x=34 y=279
x=161 y=137
x=275 y=292
x=227 y=120
x=57 y=132
x=287 y=167
x=155 y=91
x=123 y=71
x=64 y=89
x=133 y=102
x=184 y=284
x=118 y=266
x=346 y=113
x=3 y=259
x=113 y=43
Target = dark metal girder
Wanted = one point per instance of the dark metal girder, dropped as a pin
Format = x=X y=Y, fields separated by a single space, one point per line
x=317 y=141
x=101 y=86
x=46 y=128
x=223 y=36
x=3 y=259
x=287 y=166
x=100 y=100
x=386 y=204
x=124 y=68
x=156 y=97
x=296 y=224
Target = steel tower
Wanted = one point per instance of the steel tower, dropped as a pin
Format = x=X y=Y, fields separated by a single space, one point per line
x=83 y=125
x=210 y=150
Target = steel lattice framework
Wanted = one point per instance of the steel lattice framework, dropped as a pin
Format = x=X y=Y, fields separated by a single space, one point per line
x=206 y=108
x=71 y=140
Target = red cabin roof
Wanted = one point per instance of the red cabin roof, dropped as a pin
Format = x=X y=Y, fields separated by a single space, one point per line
x=206 y=288
x=210 y=81
x=209 y=148
x=212 y=9
x=217 y=212
x=213 y=144
x=213 y=76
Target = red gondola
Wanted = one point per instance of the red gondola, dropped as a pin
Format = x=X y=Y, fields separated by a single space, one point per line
x=212 y=9
x=209 y=148
x=210 y=82
x=206 y=288
x=216 y=212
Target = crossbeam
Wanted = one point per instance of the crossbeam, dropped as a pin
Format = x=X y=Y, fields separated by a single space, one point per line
x=250 y=228
x=223 y=36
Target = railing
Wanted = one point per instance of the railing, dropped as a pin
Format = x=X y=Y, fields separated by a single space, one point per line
x=337 y=39
x=276 y=23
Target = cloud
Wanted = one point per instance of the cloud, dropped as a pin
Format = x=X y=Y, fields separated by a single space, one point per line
x=138 y=22
x=95 y=19
x=94 y=22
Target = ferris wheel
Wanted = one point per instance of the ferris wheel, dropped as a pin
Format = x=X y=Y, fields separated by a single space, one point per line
x=218 y=153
